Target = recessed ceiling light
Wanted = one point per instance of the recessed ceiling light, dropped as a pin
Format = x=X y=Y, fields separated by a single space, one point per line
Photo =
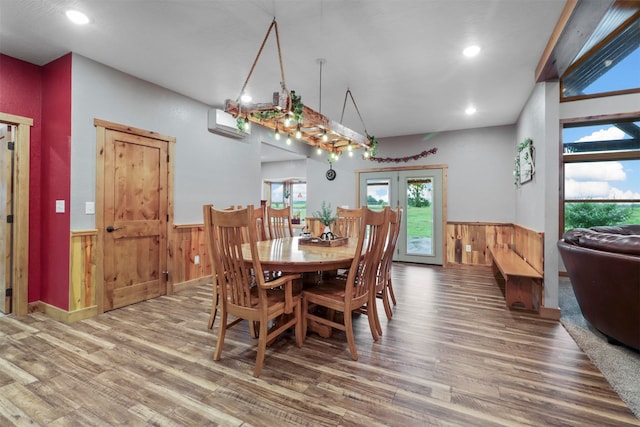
x=471 y=51
x=77 y=17
x=470 y=110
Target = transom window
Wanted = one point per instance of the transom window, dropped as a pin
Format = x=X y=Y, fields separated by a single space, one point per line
x=610 y=61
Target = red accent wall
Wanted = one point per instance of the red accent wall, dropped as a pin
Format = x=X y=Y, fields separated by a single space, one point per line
x=56 y=181
x=21 y=95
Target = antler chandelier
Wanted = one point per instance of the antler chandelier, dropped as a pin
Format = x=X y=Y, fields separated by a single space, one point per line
x=286 y=114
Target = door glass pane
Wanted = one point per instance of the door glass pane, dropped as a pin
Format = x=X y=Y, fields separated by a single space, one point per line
x=419 y=216
x=277 y=195
x=299 y=200
x=378 y=193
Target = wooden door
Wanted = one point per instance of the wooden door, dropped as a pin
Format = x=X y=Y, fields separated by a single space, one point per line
x=6 y=237
x=134 y=218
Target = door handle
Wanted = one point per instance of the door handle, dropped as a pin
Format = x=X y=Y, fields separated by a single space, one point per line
x=111 y=228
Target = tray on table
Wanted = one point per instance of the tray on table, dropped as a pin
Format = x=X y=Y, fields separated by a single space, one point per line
x=317 y=241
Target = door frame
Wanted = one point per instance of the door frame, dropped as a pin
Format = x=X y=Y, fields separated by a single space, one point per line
x=444 y=169
x=20 y=248
x=101 y=130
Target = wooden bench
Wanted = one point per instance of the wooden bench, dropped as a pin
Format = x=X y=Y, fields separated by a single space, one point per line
x=523 y=283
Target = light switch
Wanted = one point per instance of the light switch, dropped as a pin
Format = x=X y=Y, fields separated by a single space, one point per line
x=90 y=208
x=59 y=206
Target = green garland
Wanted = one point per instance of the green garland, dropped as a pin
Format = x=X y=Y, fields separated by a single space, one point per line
x=373 y=145
x=297 y=108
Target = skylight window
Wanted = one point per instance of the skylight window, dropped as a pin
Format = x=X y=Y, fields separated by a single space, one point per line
x=610 y=66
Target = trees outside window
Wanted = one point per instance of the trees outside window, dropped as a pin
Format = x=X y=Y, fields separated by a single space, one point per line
x=601 y=171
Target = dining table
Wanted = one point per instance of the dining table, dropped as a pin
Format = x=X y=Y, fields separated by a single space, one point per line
x=288 y=255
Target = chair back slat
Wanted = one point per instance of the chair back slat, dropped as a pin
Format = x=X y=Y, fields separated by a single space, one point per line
x=259 y=223
x=347 y=224
x=279 y=221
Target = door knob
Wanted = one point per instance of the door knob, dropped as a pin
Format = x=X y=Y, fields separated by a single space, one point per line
x=111 y=228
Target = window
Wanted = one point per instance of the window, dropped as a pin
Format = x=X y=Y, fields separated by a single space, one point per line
x=601 y=171
x=610 y=61
x=291 y=193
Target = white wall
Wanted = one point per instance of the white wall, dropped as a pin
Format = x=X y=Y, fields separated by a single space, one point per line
x=537 y=203
x=480 y=171
x=209 y=168
x=213 y=169
x=276 y=171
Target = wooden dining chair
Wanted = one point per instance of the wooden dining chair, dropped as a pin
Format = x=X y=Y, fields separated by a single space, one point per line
x=358 y=289
x=347 y=223
x=215 y=298
x=279 y=222
x=243 y=294
x=259 y=223
x=384 y=285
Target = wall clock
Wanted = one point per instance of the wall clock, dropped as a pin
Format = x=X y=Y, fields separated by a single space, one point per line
x=331 y=174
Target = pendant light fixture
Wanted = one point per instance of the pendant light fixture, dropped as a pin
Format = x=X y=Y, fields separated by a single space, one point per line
x=312 y=127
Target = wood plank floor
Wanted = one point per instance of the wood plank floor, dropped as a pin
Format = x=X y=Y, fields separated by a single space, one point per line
x=453 y=355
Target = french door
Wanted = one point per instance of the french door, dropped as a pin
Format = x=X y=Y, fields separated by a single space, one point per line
x=420 y=194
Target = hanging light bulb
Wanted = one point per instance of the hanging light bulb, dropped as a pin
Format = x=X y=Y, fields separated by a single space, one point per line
x=319 y=151
x=325 y=137
x=350 y=147
x=366 y=153
x=288 y=139
x=350 y=153
x=247 y=125
x=298 y=132
x=287 y=120
x=277 y=134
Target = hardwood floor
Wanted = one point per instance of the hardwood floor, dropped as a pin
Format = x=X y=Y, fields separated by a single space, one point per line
x=452 y=355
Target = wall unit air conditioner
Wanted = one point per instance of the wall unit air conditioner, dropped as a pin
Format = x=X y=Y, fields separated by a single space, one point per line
x=223 y=123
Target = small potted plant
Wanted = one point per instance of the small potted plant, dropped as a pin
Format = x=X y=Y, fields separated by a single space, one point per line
x=325 y=215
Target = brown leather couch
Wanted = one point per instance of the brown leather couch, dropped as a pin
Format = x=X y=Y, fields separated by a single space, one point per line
x=603 y=264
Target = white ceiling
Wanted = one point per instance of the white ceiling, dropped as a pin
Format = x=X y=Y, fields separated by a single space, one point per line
x=401 y=59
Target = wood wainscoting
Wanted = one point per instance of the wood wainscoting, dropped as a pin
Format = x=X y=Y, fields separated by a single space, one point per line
x=189 y=263
x=186 y=246
x=82 y=281
x=479 y=236
x=189 y=259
